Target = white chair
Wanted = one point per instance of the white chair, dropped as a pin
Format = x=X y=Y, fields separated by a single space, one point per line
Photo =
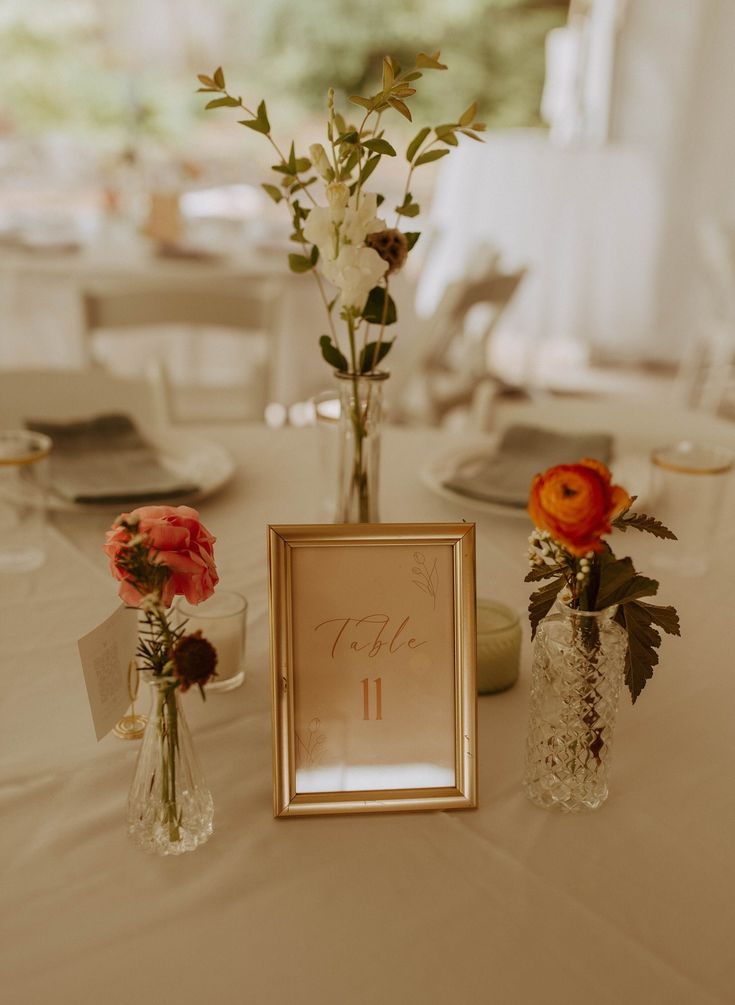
x=68 y=395
x=211 y=339
x=450 y=358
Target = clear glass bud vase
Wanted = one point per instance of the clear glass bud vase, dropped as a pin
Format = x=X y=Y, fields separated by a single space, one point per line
x=358 y=466
x=170 y=808
x=578 y=660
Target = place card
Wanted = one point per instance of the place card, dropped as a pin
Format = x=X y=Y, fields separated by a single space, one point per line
x=106 y=653
x=373 y=667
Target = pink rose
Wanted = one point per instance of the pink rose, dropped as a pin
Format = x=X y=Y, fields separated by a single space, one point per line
x=179 y=541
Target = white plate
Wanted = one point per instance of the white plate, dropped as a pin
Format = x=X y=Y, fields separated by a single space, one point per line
x=631 y=471
x=189 y=457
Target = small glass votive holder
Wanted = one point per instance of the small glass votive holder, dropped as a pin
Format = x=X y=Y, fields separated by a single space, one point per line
x=23 y=487
x=688 y=487
x=498 y=647
x=222 y=620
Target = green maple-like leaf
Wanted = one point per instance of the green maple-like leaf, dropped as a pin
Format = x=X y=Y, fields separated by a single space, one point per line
x=539 y=572
x=643 y=522
x=665 y=617
x=643 y=641
x=541 y=602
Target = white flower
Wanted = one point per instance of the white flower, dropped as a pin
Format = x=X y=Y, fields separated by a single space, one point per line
x=355 y=271
x=338 y=195
x=360 y=219
x=319 y=229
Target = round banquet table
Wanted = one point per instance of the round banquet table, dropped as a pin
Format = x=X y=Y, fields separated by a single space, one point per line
x=507 y=903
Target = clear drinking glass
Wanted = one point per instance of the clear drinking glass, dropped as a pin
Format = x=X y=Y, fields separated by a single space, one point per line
x=688 y=486
x=23 y=486
x=222 y=620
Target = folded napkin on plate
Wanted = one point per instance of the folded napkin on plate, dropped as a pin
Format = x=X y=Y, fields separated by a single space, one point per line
x=106 y=460
x=505 y=475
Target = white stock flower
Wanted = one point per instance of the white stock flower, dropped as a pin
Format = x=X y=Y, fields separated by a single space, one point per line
x=360 y=220
x=319 y=230
x=338 y=195
x=355 y=271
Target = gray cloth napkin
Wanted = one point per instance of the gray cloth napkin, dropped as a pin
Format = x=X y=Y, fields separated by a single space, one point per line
x=106 y=460
x=504 y=476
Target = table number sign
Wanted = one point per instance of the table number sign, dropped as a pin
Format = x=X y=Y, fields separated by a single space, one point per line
x=373 y=667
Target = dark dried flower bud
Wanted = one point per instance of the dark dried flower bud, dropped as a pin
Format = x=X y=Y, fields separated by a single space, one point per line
x=392 y=247
x=194 y=660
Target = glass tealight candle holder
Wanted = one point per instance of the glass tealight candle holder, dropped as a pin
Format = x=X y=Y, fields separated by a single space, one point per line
x=222 y=620
x=23 y=486
x=498 y=647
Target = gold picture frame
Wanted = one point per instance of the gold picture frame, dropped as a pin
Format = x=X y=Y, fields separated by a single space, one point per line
x=373 y=641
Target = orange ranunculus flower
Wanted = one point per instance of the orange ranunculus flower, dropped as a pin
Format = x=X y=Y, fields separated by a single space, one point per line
x=576 y=504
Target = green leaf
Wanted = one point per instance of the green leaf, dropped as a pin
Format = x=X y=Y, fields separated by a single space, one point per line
x=332 y=354
x=314 y=256
x=368 y=167
x=274 y=192
x=416 y=143
x=541 y=602
x=349 y=137
x=363 y=102
x=299 y=263
x=388 y=75
x=614 y=574
x=260 y=124
x=472 y=136
x=450 y=139
x=330 y=305
x=414 y=75
x=412 y=237
x=425 y=62
x=303 y=184
x=430 y=155
x=401 y=107
x=207 y=81
x=225 y=102
x=643 y=641
x=351 y=162
x=466 y=117
x=302 y=164
x=539 y=572
x=371 y=355
x=632 y=589
x=292 y=159
x=219 y=78
x=664 y=617
x=376 y=304
x=409 y=209
x=643 y=522
x=380 y=147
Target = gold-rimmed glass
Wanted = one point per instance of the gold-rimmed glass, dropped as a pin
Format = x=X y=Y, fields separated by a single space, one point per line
x=689 y=482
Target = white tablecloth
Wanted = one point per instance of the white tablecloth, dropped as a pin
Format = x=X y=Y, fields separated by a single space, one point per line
x=508 y=904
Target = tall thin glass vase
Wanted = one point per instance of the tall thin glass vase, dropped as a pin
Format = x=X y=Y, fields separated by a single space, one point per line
x=358 y=469
x=170 y=808
x=578 y=660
